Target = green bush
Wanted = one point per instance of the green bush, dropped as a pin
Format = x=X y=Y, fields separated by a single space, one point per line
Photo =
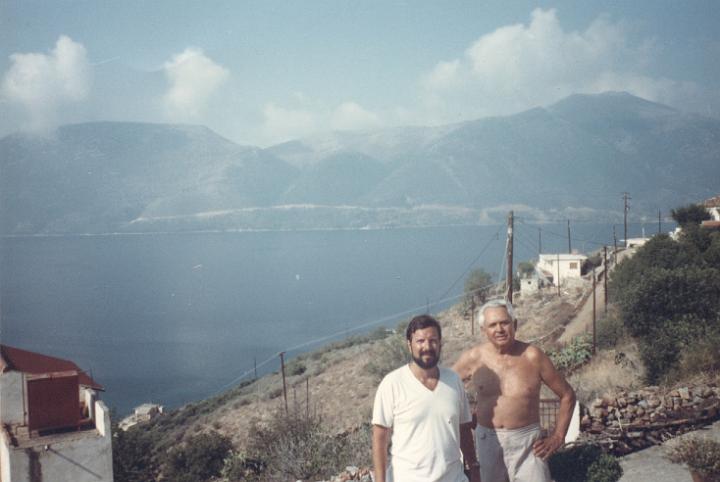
x=668 y=295
x=132 y=454
x=199 y=459
x=610 y=331
x=584 y=463
x=574 y=355
x=606 y=468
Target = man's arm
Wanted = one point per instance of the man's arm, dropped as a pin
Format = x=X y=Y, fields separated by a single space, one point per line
x=380 y=441
x=467 y=447
x=544 y=448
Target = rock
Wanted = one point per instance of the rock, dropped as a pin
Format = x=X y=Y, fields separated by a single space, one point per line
x=653 y=403
x=622 y=402
x=643 y=404
x=352 y=470
x=598 y=402
x=684 y=393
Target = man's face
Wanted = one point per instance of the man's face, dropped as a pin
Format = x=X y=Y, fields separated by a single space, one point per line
x=425 y=347
x=499 y=327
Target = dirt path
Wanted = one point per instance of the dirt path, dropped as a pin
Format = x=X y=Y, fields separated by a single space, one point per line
x=582 y=323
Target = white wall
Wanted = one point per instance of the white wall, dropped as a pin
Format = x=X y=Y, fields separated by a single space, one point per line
x=12 y=398
x=79 y=457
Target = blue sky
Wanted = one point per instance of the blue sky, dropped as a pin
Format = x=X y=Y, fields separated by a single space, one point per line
x=261 y=72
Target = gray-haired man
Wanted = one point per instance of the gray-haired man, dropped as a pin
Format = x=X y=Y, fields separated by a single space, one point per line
x=505 y=376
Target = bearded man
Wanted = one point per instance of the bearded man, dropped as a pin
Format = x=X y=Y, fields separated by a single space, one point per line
x=423 y=409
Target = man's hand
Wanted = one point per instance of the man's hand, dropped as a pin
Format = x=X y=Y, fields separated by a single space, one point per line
x=547 y=446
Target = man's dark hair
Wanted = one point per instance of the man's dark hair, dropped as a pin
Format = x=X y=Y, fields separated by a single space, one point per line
x=421 y=322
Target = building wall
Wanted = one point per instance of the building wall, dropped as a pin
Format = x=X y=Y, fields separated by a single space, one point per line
x=12 y=398
x=84 y=456
x=569 y=268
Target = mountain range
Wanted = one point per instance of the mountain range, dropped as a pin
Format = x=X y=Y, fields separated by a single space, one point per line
x=572 y=160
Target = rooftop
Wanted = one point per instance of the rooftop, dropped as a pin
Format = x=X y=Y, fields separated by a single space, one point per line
x=16 y=359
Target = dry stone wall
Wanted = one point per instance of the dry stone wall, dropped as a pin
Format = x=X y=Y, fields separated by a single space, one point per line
x=633 y=420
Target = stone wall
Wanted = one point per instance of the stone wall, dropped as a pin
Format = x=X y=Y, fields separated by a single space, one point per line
x=634 y=420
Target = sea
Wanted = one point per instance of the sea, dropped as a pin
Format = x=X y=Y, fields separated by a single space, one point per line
x=174 y=318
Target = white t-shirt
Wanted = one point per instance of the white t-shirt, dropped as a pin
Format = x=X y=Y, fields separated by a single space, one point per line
x=425 y=425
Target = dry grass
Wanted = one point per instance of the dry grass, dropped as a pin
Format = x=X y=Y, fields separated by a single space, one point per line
x=342 y=391
x=608 y=371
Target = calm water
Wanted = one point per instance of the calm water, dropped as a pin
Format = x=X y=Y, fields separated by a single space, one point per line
x=174 y=318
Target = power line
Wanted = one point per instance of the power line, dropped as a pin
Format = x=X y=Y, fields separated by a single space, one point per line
x=469 y=267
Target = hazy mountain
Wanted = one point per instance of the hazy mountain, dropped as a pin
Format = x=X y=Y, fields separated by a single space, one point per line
x=574 y=157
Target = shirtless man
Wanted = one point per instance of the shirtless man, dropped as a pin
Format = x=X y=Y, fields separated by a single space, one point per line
x=504 y=376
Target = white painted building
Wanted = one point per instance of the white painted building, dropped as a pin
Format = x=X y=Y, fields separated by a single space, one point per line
x=53 y=427
x=712 y=206
x=554 y=267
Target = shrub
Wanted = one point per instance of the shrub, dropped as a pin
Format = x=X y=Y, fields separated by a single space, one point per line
x=295 y=367
x=584 y=463
x=610 y=331
x=391 y=354
x=199 y=459
x=299 y=447
x=606 y=468
x=699 y=455
x=132 y=456
x=574 y=355
x=238 y=467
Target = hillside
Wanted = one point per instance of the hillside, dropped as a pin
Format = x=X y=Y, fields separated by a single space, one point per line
x=571 y=159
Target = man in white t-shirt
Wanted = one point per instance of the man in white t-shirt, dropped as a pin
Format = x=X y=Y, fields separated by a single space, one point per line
x=424 y=411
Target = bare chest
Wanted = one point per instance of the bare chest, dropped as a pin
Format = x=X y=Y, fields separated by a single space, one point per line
x=508 y=377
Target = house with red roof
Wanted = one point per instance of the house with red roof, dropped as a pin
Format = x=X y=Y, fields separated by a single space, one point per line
x=53 y=426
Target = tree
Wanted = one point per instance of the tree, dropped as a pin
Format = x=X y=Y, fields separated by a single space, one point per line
x=690 y=214
x=477 y=286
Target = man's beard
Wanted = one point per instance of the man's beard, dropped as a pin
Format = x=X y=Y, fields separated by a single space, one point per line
x=431 y=363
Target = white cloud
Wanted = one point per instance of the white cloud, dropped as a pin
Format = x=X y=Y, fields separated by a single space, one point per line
x=351 y=116
x=41 y=83
x=282 y=124
x=521 y=66
x=193 y=79
x=308 y=117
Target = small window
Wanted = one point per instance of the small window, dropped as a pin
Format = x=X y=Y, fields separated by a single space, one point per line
x=573 y=265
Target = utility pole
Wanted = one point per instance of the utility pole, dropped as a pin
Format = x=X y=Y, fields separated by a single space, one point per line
x=539 y=240
x=255 y=366
x=558 y=274
x=307 y=398
x=659 y=222
x=615 y=244
x=508 y=294
x=569 y=245
x=605 y=278
x=472 y=315
x=626 y=197
x=282 y=367
x=594 y=317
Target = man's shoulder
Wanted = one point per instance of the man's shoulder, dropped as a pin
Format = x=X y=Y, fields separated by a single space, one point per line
x=394 y=376
x=531 y=352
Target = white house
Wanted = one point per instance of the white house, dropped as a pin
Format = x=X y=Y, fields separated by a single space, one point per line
x=554 y=267
x=712 y=206
x=53 y=427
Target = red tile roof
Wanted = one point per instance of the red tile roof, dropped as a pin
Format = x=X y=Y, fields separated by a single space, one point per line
x=35 y=363
x=710 y=224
